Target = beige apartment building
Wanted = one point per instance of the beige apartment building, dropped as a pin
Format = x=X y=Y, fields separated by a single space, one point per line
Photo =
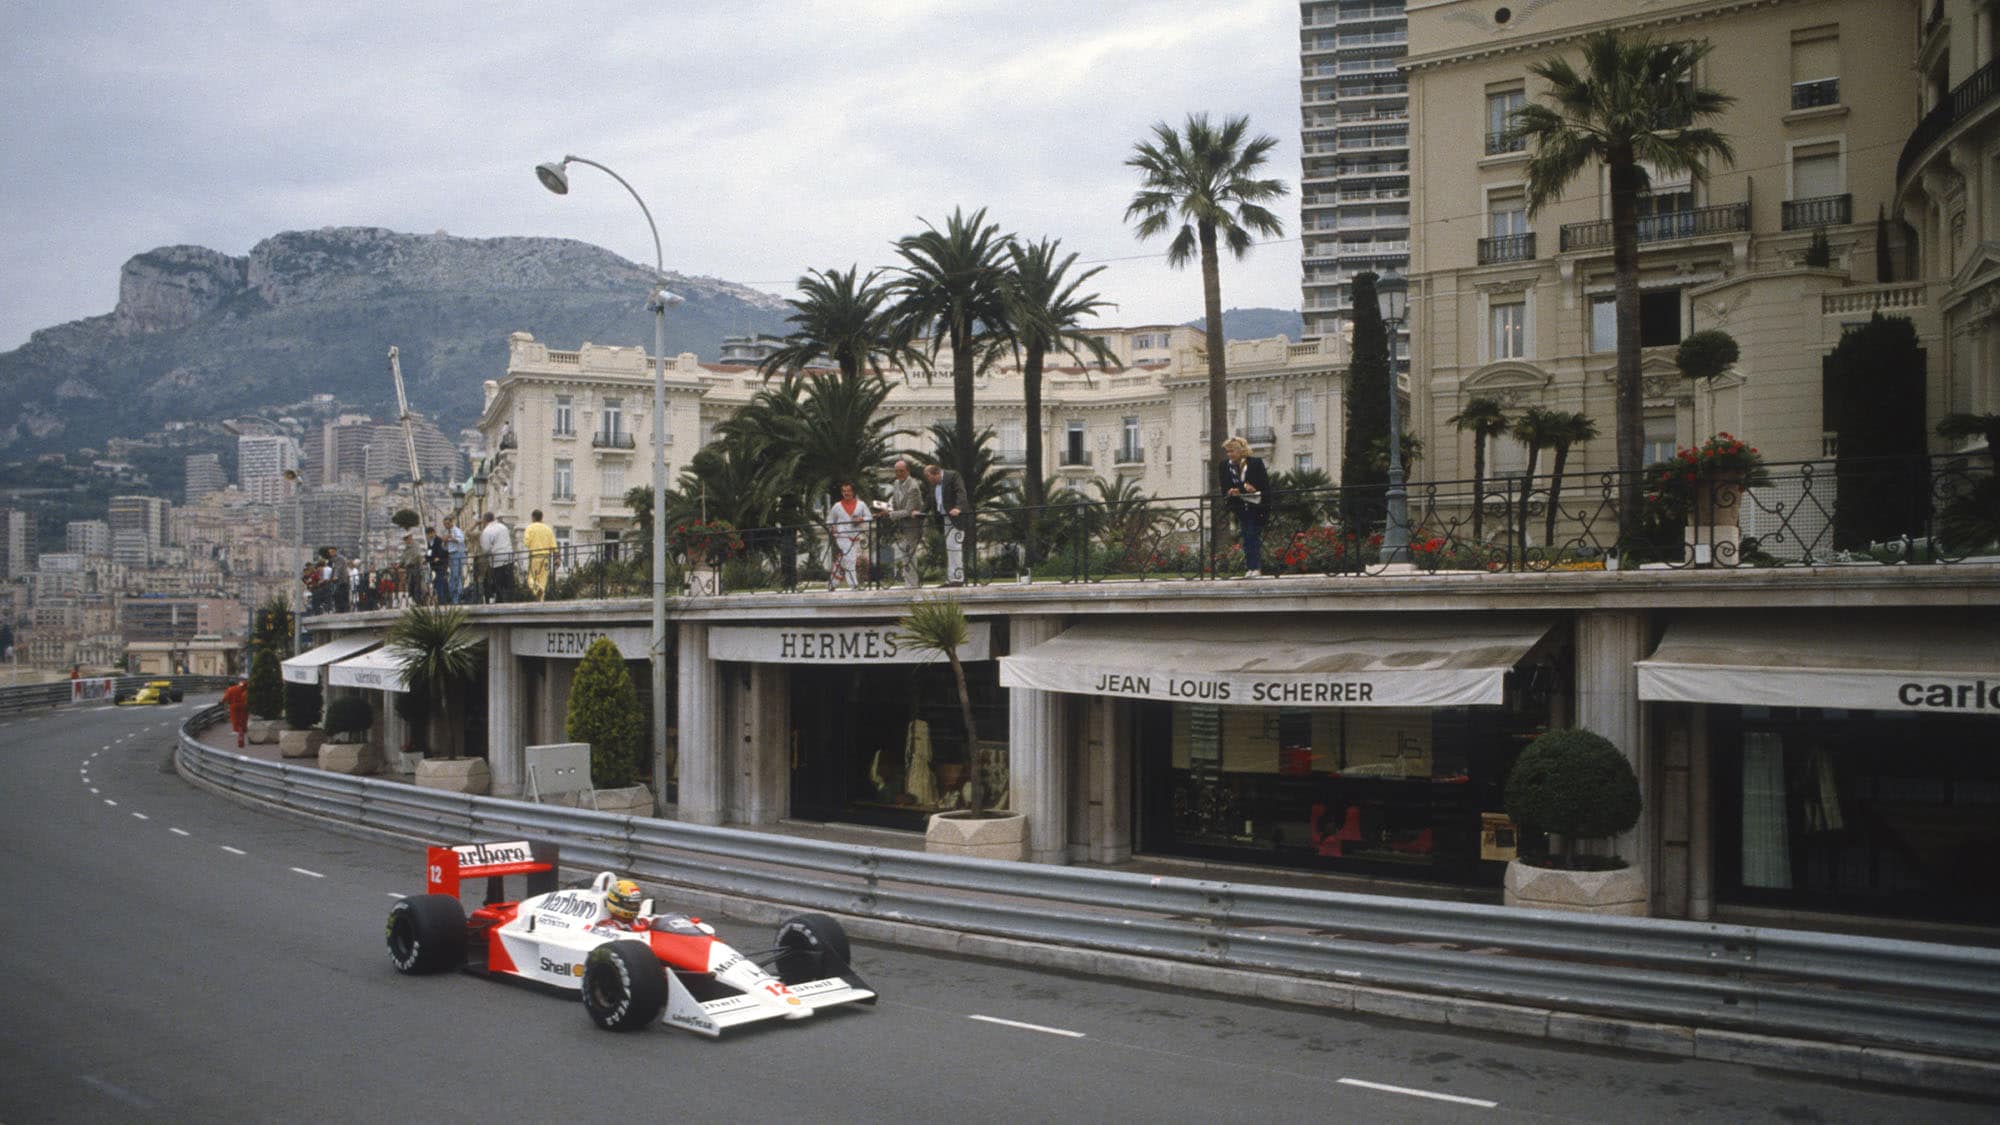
x=1519 y=309
x=581 y=429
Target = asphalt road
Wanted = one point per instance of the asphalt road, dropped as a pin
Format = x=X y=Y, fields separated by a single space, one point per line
x=168 y=955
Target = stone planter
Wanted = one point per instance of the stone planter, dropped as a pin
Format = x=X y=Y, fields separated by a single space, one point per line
x=263 y=732
x=1589 y=892
x=349 y=757
x=994 y=835
x=300 y=743
x=632 y=800
x=458 y=775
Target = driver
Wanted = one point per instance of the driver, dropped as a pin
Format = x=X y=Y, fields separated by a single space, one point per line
x=621 y=905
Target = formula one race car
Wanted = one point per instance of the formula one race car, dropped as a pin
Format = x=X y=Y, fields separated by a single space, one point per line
x=154 y=691
x=657 y=966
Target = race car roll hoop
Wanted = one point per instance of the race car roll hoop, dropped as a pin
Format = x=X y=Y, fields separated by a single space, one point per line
x=631 y=968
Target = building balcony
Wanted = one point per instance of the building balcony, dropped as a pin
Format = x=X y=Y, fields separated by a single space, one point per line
x=1969 y=99
x=1505 y=141
x=1866 y=300
x=1818 y=92
x=1821 y=211
x=611 y=441
x=1260 y=436
x=1130 y=458
x=564 y=433
x=1507 y=248
x=1699 y=222
x=1074 y=459
x=1010 y=458
x=1303 y=429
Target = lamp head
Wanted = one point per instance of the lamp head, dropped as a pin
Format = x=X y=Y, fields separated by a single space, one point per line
x=554 y=176
x=1392 y=292
x=664 y=298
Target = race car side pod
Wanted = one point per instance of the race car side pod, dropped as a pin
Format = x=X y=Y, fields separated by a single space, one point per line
x=444 y=867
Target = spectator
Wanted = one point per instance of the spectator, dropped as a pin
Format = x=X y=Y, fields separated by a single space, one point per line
x=847 y=523
x=412 y=562
x=906 y=516
x=236 y=697
x=540 y=542
x=945 y=498
x=1244 y=482
x=439 y=558
x=496 y=543
x=454 y=544
x=335 y=576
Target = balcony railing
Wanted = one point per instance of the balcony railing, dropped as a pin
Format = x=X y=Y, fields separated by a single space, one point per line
x=1507 y=248
x=1504 y=141
x=1970 y=95
x=613 y=440
x=1818 y=92
x=1075 y=459
x=1698 y=222
x=1128 y=455
x=1303 y=429
x=1011 y=458
x=1261 y=435
x=1820 y=211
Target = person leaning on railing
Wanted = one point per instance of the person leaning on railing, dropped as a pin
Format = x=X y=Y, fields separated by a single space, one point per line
x=1244 y=482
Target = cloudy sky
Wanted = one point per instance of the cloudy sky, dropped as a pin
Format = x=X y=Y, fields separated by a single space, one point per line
x=768 y=136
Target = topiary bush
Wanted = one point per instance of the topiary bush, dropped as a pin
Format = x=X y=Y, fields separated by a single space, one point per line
x=302 y=705
x=604 y=711
x=1706 y=354
x=267 y=686
x=1573 y=784
x=349 y=714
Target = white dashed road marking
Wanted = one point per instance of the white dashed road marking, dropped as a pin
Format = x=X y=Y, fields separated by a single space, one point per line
x=1028 y=1026
x=141 y=816
x=234 y=851
x=178 y=831
x=393 y=894
x=111 y=802
x=314 y=874
x=1387 y=1089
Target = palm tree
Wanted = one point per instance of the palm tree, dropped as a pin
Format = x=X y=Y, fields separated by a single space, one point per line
x=440 y=655
x=1044 y=309
x=842 y=317
x=1634 y=105
x=952 y=293
x=1537 y=428
x=938 y=625
x=839 y=432
x=1203 y=182
x=1570 y=429
x=1485 y=420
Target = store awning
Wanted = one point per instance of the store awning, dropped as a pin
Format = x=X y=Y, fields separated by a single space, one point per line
x=1950 y=664
x=304 y=668
x=1369 y=661
x=378 y=668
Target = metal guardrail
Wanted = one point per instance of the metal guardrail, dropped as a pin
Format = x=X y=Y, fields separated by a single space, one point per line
x=1852 y=990
x=37 y=697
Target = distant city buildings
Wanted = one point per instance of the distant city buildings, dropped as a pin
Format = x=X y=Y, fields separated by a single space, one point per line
x=262 y=460
x=204 y=476
x=90 y=538
x=17 y=542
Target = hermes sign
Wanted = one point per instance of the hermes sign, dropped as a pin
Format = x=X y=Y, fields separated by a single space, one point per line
x=570 y=642
x=836 y=644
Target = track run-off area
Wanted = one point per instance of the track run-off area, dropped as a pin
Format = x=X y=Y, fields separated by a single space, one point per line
x=171 y=955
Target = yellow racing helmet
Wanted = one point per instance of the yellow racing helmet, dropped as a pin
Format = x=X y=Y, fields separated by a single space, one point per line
x=623 y=900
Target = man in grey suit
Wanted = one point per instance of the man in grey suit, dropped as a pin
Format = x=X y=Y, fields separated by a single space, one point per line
x=906 y=511
x=944 y=496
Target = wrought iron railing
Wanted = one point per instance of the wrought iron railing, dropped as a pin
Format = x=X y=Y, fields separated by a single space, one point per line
x=1927 y=511
x=1697 y=222
x=609 y=440
x=1507 y=248
x=1966 y=97
x=1818 y=92
x=1820 y=211
x=1502 y=141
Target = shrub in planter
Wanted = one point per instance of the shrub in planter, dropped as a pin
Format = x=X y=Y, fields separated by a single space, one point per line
x=1572 y=784
x=347 y=715
x=267 y=686
x=1706 y=354
x=302 y=705
x=604 y=711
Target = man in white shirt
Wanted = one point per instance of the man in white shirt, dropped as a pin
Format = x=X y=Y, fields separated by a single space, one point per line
x=496 y=542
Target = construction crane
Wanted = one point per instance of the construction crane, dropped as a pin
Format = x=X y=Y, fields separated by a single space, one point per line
x=409 y=433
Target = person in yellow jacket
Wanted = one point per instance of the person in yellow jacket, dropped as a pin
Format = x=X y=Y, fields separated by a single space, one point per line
x=540 y=543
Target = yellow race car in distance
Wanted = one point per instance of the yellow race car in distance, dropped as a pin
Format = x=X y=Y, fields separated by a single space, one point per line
x=153 y=691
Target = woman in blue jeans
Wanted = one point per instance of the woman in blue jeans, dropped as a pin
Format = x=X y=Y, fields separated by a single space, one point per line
x=1244 y=482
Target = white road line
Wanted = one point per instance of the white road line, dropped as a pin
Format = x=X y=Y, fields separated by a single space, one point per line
x=111 y=802
x=234 y=851
x=140 y=816
x=1388 y=1089
x=93 y=791
x=1028 y=1026
x=314 y=874
x=395 y=894
x=178 y=831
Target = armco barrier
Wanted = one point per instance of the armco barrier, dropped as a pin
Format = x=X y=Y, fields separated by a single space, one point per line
x=1830 y=989
x=41 y=697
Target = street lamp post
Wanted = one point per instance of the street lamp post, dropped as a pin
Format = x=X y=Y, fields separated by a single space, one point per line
x=1393 y=293
x=555 y=177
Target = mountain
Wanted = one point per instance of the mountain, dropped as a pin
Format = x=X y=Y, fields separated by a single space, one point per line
x=1258 y=324
x=201 y=336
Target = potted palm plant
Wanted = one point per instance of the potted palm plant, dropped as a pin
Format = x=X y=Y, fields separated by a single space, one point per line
x=938 y=625
x=440 y=657
x=1569 y=793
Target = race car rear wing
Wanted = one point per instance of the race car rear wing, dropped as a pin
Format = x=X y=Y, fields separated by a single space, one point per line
x=444 y=867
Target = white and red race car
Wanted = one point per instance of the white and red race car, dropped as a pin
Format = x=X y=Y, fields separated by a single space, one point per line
x=663 y=966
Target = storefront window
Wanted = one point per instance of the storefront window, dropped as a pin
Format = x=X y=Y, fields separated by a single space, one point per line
x=1382 y=790
x=885 y=744
x=1863 y=812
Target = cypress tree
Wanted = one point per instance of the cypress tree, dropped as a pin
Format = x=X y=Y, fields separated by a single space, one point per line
x=604 y=711
x=1364 y=481
x=1875 y=390
x=267 y=685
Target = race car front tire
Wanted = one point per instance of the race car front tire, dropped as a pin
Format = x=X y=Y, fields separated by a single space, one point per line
x=811 y=946
x=624 y=986
x=427 y=934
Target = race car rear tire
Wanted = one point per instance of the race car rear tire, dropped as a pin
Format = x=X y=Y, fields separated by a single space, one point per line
x=811 y=946
x=624 y=986
x=427 y=934
x=176 y=695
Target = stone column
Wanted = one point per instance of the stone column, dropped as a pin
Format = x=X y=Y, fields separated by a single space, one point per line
x=505 y=707
x=760 y=724
x=703 y=763
x=1608 y=644
x=1037 y=766
x=1701 y=819
x=557 y=676
x=395 y=731
x=1671 y=738
x=1109 y=797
